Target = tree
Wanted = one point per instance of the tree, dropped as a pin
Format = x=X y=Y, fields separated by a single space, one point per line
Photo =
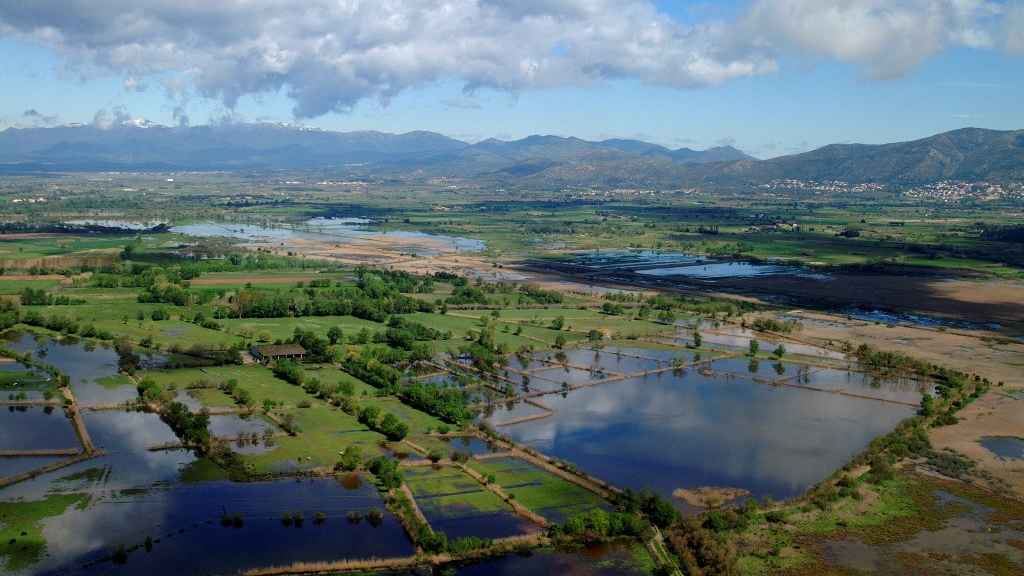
x=334 y=335
x=780 y=351
x=368 y=416
x=558 y=323
x=351 y=458
x=560 y=341
x=697 y=340
x=755 y=346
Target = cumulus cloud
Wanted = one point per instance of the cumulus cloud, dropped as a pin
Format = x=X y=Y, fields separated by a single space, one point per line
x=886 y=37
x=327 y=55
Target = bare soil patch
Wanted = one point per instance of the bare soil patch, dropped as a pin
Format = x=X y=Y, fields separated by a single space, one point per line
x=992 y=415
x=995 y=414
x=709 y=496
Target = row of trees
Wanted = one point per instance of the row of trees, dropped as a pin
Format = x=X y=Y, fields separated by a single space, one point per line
x=446 y=403
x=389 y=425
x=40 y=297
x=343 y=301
x=372 y=371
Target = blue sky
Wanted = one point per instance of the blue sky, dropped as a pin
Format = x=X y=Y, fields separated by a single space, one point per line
x=813 y=93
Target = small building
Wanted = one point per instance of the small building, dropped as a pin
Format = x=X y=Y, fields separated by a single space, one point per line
x=274 y=352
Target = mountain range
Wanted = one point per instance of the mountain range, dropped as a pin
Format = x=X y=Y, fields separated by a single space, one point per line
x=542 y=161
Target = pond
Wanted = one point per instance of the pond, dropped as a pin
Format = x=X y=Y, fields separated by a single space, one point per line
x=469 y=445
x=336 y=230
x=1004 y=447
x=671 y=431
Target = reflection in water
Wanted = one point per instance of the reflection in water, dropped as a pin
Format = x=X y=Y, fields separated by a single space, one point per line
x=35 y=428
x=184 y=521
x=670 y=431
x=83 y=362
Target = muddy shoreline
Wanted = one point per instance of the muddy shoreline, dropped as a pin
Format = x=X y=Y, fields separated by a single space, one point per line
x=942 y=295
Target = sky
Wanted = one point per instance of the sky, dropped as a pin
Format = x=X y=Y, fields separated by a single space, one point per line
x=770 y=77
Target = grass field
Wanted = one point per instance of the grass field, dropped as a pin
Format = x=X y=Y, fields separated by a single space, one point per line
x=284 y=328
x=258 y=380
x=449 y=492
x=325 y=433
x=540 y=491
x=8 y=286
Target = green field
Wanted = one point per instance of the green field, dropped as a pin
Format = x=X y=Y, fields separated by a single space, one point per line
x=540 y=491
x=449 y=492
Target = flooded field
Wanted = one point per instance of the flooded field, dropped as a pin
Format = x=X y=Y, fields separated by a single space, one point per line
x=336 y=230
x=140 y=508
x=89 y=366
x=723 y=425
x=456 y=504
x=681 y=265
x=188 y=534
x=35 y=428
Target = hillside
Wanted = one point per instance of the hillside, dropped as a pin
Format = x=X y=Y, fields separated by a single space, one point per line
x=540 y=161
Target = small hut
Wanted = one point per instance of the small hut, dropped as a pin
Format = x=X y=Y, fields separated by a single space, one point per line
x=274 y=352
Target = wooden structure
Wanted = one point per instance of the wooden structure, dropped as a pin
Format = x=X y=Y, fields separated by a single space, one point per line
x=274 y=352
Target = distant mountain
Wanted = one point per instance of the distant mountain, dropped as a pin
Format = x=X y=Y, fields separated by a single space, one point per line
x=143 y=146
x=232 y=146
x=535 y=161
x=965 y=154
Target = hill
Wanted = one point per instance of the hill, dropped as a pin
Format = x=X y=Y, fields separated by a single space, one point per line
x=542 y=161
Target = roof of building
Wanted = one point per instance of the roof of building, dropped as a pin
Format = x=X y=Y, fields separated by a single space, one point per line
x=280 y=350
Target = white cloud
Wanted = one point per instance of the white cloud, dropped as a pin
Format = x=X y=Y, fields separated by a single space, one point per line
x=887 y=37
x=327 y=55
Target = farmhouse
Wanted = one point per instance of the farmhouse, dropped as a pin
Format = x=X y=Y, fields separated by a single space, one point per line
x=273 y=352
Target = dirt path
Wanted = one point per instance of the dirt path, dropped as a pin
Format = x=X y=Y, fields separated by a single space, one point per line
x=9 y=480
x=498 y=547
x=15 y=403
x=77 y=421
x=38 y=453
x=415 y=507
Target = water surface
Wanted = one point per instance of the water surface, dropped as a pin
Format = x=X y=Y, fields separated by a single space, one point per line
x=184 y=521
x=35 y=428
x=84 y=362
x=335 y=230
x=669 y=431
x=1004 y=447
